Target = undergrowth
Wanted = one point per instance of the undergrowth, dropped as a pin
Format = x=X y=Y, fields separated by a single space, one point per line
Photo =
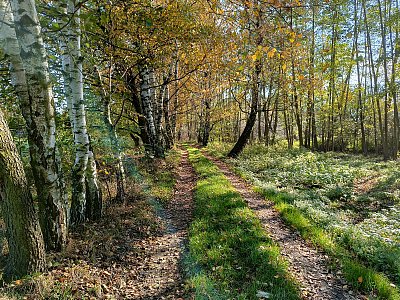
x=345 y=204
x=233 y=257
x=159 y=175
x=358 y=275
x=99 y=254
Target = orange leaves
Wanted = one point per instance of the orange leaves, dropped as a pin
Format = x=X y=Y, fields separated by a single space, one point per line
x=275 y=3
x=18 y=282
x=271 y=53
x=258 y=54
x=248 y=4
x=284 y=3
x=292 y=37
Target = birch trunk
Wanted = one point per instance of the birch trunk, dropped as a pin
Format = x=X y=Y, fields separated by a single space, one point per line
x=73 y=86
x=147 y=100
x=24 y=47
x=94 y=199
x=25 y=240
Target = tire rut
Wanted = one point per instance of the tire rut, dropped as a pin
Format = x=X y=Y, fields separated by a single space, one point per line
x=162 y=277
x=309 y=266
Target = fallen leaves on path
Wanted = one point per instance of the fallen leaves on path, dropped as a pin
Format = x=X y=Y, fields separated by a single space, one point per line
x=133 y=252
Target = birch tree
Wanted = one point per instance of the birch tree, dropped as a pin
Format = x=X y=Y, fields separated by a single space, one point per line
x=147 y=97
x=86 y=196
x=23 y=45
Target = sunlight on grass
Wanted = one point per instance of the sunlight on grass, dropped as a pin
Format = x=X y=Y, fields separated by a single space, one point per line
x=321 y=196
x=229 y=244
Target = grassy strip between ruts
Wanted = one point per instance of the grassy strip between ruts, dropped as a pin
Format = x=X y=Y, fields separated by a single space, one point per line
x=237 y=259
x=358 y=275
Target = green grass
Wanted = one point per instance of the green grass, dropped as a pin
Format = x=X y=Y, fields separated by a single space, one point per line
x=358 y=275
x=313 y=195
x=354 y=198
x=219 y=150
x=160 y=177
x=232 y=255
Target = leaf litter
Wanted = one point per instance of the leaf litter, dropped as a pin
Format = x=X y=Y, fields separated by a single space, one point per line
x=133 y=252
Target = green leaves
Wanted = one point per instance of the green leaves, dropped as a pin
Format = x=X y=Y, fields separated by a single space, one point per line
x=149 y=22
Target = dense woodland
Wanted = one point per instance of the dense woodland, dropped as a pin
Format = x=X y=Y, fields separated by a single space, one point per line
x=88 y=86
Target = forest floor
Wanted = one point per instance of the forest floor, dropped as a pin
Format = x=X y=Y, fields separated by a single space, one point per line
x=133 y=252
x=311 y=268
x=238 y=246
x=344 y=204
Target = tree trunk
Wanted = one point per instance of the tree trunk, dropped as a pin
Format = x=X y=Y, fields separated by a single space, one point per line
x=135 y=100
x=332 y=87
x=169 y=135
x=244 y=137
x=112 y=134
x=30 y=76
x=297 y=108
x=207 y=125
x=373 y=74
x=360 y=101
x=25 y=240
x=94 y=199
x=175 y=102
x=146 y=97
x=395 y=46
x=382 y=21
x=255 y=91
x=73 y=86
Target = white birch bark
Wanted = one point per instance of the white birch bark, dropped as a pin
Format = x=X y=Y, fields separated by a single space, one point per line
x=73 y=86
x=94 y=201
x=23 y=44
x=147 y=96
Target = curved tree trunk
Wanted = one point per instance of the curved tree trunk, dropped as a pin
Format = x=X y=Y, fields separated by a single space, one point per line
x=25 y=240
x=244 y=137
x=29 y=70
x=207 y=122
x=255 y=88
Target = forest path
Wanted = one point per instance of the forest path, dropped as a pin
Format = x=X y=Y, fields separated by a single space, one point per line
x=309 y=266
x=163 y=277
